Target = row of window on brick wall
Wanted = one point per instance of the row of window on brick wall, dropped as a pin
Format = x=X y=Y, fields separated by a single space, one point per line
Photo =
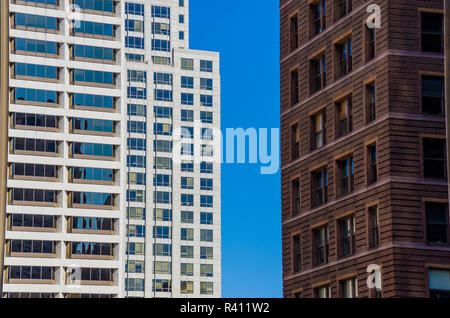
x=431 y=26
x=317 y=19
x=345 y=180
x=436 y=229
x=432 y=104
x=432 y=41
x=433 y=161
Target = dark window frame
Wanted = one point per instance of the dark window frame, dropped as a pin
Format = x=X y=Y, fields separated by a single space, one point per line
x=319 y=186
x=318 y=17
x=345 y=175
x=373 y=223
x=347 y=236
x=296 y=197
x=432 y=35
x=372 y=163
x=433 y=225
x=321 y=242
x=434 y=159
x=296 y=253
x=293 y=32
x=294 y=80
x=318 y=71
x=318 y=136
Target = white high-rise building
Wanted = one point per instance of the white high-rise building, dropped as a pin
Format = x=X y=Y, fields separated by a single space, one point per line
x=173 y=201
x=105 y=197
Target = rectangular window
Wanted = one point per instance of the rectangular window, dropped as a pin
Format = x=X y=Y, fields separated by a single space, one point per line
x=206 y=117
x=187 y=82
x=433 y=95
x=432 y=32
x=162 y=286
x=294 y=87
x=320 y=187
x=163 y=112
x=206 y=218
x=206 y=84
x=187 y=183
x=206 y=288
x=323 y=292
x=160 y=28
x=347 y=236
x=206 y=236
x=318 y=73
x=162 y=268
x=371 y=43
x=437 y=222
x=439 y=280
x=186 y=269
x=295 y=142
x=345 y=176
x=162 y=250
x=162 y=163
x=186 y=251
x=162 y=215
x=343 y=7
x=318 y=17
x=372 y=164
x=186 y=287
x=206 y=253
x=187 y=99
x=206 y=100
x=371 y=109
x=293 y=32
x=321 y=248
x=434 y=159
x=296 y=254
x=187 y=166
x=318 y=135
x=206 y=270
x=374 y=227
x=344 y=117
x=349 y=288
x=295 y=193
x=162 y=78
x=187 y=234
x=206 y=201
x=206 y=66
x=134 y=8
x=206 y=184
x=344 y=57
x=206 y=167
x=187 y=200
x=160 y=12
x=187 y=217
x=187 y=64
x=187 y=115
x=162 y=180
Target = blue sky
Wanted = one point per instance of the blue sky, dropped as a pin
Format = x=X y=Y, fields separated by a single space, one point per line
x=246 y=35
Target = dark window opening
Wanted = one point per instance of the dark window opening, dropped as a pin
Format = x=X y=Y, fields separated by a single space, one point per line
x=432 y=32
x=434 y=163
x=318 y=73
x=372 y=164
x=320 y=187
x=294 y=87
x=296 y=197
x=345 y=57
x=294 y=32
x=437 y=222
x=433 y=95
x=345 y=117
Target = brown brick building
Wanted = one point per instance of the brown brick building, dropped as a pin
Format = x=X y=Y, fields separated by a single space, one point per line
x=363 y=149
